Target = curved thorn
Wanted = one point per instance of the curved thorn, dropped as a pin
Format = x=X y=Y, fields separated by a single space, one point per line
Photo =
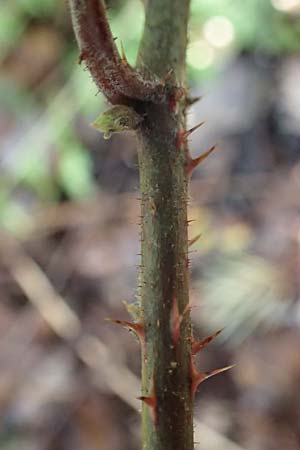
x=198 y=377
x=217 y=371
x=137 y=327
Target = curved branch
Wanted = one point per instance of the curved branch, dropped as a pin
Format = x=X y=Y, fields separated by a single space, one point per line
x=117 y=80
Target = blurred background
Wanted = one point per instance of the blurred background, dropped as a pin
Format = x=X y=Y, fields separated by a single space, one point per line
x=69 y=231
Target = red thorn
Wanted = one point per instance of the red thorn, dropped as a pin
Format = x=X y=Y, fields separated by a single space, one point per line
x=197 y=346
x=192 y=163
x=176 y=319
x=151 y=402
x=137 y=327
x=196 y=377
x=193 y=240
x=199 y=377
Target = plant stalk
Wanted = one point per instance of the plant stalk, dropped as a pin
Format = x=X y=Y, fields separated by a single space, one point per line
x=164 y=276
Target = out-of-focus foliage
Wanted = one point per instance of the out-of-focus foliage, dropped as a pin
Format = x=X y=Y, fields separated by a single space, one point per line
x=44 y=154
x=222 y=28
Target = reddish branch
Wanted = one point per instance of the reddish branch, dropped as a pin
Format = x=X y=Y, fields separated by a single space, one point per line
x=117 y=80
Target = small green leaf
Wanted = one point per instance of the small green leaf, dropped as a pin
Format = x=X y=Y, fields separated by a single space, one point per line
x=116 y=119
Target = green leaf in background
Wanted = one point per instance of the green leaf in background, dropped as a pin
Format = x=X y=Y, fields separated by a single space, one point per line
x=11 y=27
x=219 y=30
x=256 y=25
x=40 y=8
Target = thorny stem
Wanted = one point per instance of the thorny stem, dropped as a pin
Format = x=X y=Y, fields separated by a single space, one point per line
x=169 y=374
x=164 y=291
x=117 y=80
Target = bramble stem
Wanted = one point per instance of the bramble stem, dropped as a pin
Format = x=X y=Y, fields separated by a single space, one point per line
x=117 y=80
x=164 y=277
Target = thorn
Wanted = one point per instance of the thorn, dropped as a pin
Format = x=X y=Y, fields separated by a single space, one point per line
x=193 y=240
x=217 y=371
x=191 y=130
x=176 y=319
x=123 y=55
x=137 y=327
x=148 y=400
x=199 y=377
x=197 y=346
x=192 y=163
x=192 y=100
x=151 y=402
x=183 y=135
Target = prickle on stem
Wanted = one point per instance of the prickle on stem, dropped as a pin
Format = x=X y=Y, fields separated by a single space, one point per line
x=197 y=346
x=137 y=327
x=192 y=100
x=151 y=401
x=183 y=135
x=198 y=377
x=123 y=55
x=192 y=163
x=194 y=239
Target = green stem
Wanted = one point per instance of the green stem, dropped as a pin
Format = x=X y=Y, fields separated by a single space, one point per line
x=164 y=267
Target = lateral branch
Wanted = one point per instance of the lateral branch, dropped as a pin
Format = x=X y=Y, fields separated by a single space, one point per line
x=117 y=80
